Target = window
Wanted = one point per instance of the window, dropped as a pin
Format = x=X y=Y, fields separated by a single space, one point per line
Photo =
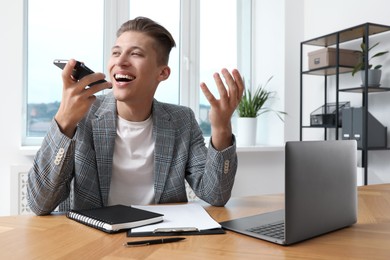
x=168 y=91
x=57 y=30
x=206 y=42
x=218 y=48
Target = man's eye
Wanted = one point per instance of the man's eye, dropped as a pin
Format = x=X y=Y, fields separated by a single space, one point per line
x=115 y=53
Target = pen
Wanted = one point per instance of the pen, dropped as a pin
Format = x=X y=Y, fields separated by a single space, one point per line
x=154 y=241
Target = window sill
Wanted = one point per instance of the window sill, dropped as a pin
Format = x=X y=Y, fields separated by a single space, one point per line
x=255 y=148
x=29 y=150
x=32 y=150
x=260 y=148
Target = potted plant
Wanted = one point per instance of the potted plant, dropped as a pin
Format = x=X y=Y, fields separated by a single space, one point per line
x=252 y=105
x=374 y=73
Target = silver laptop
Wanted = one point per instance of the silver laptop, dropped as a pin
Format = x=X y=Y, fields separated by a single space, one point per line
x=320 y=194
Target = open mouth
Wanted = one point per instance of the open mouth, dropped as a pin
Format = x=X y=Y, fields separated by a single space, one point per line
x=123 y=78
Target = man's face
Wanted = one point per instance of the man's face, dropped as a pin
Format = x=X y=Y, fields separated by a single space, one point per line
x=134 y=71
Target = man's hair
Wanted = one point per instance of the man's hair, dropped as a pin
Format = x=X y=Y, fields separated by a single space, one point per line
x=163 y=38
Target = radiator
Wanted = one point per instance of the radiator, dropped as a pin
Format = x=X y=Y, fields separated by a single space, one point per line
x=19 y=205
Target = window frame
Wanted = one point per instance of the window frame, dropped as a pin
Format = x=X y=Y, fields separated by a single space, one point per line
x=117 y=12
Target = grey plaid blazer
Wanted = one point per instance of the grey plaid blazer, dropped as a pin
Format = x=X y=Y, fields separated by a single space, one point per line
x=80 y=168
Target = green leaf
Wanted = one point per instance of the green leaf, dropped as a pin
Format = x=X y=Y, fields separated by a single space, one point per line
x=362 y=53
x=253 y=104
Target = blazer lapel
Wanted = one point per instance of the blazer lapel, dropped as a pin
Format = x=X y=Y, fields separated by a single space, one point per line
x=164 y=133
x=104 y=132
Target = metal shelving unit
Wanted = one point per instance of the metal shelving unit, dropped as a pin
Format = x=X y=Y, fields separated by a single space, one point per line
x=364 y=32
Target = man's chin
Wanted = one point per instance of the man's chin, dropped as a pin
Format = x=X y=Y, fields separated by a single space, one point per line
x=119 y=97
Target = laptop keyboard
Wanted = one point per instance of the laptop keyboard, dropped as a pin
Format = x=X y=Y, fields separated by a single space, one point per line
x=275 y=230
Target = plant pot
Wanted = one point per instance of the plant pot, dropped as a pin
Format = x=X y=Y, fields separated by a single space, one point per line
x=246 y=131
x=374 y=78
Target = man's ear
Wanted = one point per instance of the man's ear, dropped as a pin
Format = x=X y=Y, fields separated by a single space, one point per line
x=165 y=72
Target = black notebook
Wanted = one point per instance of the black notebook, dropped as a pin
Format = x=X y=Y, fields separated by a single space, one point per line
x=116 y=218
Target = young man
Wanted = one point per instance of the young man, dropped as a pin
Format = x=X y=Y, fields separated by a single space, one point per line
x=126 y=147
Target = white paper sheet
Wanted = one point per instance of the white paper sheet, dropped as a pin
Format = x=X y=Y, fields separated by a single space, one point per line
x=179 y=216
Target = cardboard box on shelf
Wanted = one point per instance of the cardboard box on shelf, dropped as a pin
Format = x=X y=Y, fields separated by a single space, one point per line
x=327 y=57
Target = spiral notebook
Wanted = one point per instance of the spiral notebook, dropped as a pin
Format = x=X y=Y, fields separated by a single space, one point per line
x=116 y=218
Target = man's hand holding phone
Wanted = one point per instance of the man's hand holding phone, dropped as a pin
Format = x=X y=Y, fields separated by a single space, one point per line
x=77 y=97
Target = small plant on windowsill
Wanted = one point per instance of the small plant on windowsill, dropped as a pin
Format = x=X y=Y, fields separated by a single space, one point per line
x=253 y=104
x=250 y=107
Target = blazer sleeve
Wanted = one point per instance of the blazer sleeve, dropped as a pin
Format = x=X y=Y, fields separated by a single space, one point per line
x=50 y=177
x=212 y=180
x=223 y=165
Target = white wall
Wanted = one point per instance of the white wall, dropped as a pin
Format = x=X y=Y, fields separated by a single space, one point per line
x=294 y=17
x=11 y=71
x=268 y=61
x=262 y=172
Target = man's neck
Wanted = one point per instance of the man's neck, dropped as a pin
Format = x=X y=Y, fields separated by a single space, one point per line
x=135 y=112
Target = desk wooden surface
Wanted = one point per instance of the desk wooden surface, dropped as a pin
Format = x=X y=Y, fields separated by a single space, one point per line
x=56 y=237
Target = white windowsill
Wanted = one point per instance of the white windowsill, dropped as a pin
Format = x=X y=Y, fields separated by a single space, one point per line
x=29 y=150
x=32 y=150
x=260 y=148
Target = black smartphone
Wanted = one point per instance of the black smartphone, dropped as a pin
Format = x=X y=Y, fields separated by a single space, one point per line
x=80 y=70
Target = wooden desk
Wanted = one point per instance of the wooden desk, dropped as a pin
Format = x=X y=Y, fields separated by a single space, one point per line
x=53 y=237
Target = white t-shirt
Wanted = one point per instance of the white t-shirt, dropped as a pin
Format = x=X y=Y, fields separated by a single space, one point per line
x=132 y=180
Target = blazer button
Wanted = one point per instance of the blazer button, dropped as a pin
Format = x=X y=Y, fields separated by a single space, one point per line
x=226 y=166
x=59 y=156
x=57 y=161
